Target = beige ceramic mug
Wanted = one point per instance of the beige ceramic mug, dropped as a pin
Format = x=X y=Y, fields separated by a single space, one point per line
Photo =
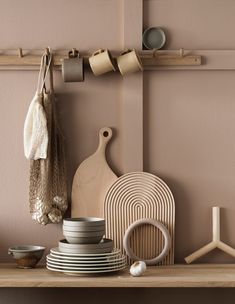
x=129 y=62
x=72 y=67
x=101 y=62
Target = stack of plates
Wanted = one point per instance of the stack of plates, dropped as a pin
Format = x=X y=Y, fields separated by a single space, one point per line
x=87 y=263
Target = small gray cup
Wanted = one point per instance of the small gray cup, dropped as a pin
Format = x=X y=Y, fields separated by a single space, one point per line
x=73 y=67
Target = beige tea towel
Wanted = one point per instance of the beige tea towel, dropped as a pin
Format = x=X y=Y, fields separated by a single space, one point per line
x=35 y=126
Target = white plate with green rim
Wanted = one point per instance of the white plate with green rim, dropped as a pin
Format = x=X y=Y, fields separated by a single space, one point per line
x=78 y=272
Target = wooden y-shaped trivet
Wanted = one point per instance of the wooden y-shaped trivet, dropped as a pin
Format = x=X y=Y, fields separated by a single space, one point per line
x=216 y=242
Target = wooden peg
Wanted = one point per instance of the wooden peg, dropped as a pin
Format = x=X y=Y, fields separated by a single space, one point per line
x=47 y=51
x=155 y=53
x=20 y=52
x=73 y=51
x=181 y=52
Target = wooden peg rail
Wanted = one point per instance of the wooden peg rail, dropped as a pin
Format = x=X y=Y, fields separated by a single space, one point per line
x=20 y=59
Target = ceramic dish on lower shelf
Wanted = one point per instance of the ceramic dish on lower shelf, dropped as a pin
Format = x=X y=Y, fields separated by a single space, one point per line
x=81 y=258
x=86 y=259
x=27 y=256
x=82 y=261
x=57 y=251
x=105 y=246
x=86 y=268
x=84 y=272
x=85 y=251
x=98 y=263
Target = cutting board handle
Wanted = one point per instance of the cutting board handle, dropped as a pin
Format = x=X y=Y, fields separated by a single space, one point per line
x=105 y=134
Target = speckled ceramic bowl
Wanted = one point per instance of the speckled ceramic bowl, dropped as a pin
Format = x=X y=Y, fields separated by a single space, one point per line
x=27 y=256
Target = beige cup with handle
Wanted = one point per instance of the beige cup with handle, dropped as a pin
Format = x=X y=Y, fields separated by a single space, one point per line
x=101 y=62
x=129 y=62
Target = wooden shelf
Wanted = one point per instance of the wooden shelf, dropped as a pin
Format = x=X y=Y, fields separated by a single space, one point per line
x=200 y=275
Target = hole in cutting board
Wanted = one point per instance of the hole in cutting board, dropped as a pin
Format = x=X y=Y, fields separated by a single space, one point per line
x=105 y=133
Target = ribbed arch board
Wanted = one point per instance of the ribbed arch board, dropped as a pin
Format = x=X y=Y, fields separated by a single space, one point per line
x=134 y=196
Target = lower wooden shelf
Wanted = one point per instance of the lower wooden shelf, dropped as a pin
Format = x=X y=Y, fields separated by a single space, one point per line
x=180 y=276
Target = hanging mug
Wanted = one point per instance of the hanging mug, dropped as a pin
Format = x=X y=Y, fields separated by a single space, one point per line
x=129 y=62
x=101 y=62
x=73 y=67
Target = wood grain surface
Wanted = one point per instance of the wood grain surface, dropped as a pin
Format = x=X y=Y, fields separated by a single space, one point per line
x=92 y=180
x=200 y=275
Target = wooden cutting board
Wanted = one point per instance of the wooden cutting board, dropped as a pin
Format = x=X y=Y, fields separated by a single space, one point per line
x=140 y=195
x=92 y=180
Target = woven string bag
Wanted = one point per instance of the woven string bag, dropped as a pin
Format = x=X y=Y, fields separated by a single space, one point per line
x=47 y=186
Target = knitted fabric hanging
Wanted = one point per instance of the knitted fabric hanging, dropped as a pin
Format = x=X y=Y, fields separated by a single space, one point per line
x=47 y=187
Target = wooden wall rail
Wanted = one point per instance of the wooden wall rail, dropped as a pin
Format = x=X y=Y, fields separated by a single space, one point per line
x=164 y=60
x=150 y=59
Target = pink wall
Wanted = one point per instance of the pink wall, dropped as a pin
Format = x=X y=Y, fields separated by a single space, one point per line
x=85 y=107
x=189 y=120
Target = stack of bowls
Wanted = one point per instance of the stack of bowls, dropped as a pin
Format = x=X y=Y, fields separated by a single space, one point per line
x=84 y=230
x=84 y=235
